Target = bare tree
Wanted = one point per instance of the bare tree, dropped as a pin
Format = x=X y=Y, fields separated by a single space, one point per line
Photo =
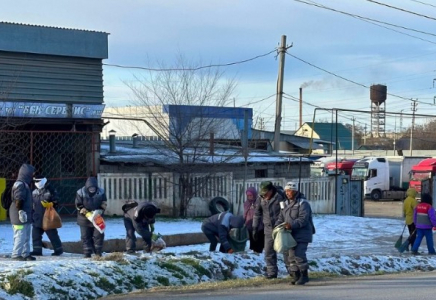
x=185 y=133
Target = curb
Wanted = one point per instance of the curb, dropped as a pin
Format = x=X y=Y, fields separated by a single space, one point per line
x=119 y=245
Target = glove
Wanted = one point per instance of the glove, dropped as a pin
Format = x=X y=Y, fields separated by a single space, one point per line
x=230 y=251
x=83 y=211
x=99 y=211
x=255 y=235
x=22 y=216
x=46 y=204
x=287 y=226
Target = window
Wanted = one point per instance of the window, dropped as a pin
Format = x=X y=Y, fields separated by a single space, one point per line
x=261 y=173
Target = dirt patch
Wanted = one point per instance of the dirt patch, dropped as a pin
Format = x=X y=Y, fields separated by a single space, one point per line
x=383 y=209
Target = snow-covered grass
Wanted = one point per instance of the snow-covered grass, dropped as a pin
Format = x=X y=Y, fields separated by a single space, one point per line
x=343 y=245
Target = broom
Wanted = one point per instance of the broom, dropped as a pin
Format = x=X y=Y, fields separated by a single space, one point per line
x=400 y=239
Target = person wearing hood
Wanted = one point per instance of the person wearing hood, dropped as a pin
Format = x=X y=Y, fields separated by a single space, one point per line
x=297 y=216
x=249 y=209
x=20 y=213
x=217 y=228
x=139 y=218
x=268 y=206
x=90 y=198
x=409 y=205
x=44 y=196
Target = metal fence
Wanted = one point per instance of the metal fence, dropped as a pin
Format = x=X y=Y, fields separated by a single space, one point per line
x=66 y=158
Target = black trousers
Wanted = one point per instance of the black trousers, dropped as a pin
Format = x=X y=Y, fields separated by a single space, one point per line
x=92 y=240
x=412 y=232
x=52 y=235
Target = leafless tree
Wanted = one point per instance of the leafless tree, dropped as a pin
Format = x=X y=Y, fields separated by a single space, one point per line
x=186 y=134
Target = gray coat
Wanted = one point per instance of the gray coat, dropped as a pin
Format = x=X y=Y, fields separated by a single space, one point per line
x=48 y=194
x=269 y=210
x=299 y=214
x=22 y=195
x=89 y=202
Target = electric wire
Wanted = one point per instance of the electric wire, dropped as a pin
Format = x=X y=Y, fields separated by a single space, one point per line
x=401 y=9
x=424 y=3
x=346 y=79
x=191 y=69
x=312 y=3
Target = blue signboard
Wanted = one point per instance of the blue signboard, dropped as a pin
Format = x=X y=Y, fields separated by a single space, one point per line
x=50 y=110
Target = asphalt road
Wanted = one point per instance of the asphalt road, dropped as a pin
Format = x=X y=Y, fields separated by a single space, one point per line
x=384 y=287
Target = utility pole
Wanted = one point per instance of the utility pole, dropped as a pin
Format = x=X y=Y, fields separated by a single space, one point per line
x=414 y=104
x=352 y=135
x=281 y=53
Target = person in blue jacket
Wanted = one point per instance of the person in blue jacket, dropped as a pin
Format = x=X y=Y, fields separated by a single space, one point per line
x=217 y=228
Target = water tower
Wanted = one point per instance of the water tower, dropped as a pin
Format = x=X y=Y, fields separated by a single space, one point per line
x=378 y=112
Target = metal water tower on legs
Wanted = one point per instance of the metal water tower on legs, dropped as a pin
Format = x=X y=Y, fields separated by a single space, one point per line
x=378 y=111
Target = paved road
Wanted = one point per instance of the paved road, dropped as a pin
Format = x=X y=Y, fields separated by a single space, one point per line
x=396 y=287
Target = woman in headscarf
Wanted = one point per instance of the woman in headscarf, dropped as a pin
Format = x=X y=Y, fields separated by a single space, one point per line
x=249 y=208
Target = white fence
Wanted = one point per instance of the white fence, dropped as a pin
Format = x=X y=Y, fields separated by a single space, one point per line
x=161 y=188
x=319 y=191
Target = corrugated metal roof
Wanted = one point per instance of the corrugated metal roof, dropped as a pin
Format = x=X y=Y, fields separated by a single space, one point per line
x=44 y=26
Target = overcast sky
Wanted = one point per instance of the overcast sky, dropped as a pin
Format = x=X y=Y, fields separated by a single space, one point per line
x=364 y=51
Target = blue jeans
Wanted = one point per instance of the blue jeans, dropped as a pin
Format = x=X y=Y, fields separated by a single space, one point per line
x=21 y=240
x=420 y=233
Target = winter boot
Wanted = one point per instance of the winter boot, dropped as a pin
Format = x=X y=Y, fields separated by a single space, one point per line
x=295 y=276
x=303 y=278
x=57 y=253
x=36 y=253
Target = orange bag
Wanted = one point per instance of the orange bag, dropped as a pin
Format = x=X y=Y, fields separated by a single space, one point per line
x=51 y=219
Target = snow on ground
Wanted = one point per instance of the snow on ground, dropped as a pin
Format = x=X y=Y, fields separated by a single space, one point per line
x=342 y=245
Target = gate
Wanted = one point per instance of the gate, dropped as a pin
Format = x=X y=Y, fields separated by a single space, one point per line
x=349 y=196
x=65 y=158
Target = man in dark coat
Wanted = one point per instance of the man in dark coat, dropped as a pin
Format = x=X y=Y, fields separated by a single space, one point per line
x=268 y=208
x=219 y=226
x=20 y=213
x=298 y=218
x=139 y=218
x=90 y=198
x=44 y=196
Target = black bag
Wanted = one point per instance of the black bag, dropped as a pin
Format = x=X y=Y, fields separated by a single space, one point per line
x=6 y=198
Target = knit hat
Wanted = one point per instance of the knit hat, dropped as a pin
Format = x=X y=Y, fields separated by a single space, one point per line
x=40 y=182
x=291 y=185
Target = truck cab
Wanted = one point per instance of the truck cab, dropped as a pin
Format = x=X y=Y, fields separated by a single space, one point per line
x=425 y=169
x=342 y=167
x=381 y=177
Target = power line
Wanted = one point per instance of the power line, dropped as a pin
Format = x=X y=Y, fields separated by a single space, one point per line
x=343 y=78
x=312 y=3
x=424 y=3
x=191 y=69
x=401 y=9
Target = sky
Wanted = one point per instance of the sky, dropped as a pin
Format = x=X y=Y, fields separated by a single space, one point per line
x=337 y=49
x=342 y=245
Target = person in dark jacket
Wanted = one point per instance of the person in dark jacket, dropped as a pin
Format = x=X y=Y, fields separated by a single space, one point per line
x=298 y=217
x=249 y=209
x=268 y=206
x=217 y=228
x=139 y=218
x=20 y=213
x=90 y=198
x=424 y=218
x=44 y=196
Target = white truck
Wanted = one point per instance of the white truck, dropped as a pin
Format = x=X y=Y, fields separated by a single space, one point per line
x=384 y=177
